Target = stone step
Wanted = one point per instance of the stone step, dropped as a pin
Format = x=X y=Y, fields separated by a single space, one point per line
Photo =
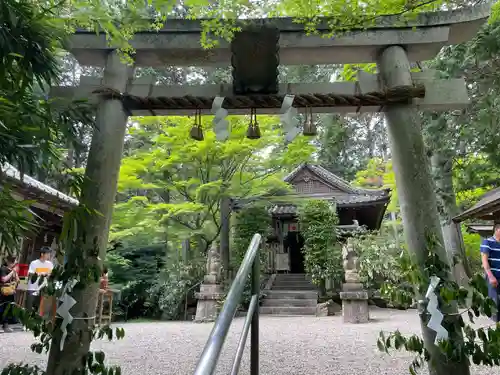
x=293 y=287
x=288 y=310
x=289 y=302
x=292 y=282
x=292 y=276
x=292 y=294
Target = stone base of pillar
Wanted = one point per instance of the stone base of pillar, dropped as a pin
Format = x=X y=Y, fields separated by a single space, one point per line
x=207 y=308
x=355 y=306
x=352 y=287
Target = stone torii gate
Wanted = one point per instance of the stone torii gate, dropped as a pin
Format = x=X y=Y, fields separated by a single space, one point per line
x=255 y=55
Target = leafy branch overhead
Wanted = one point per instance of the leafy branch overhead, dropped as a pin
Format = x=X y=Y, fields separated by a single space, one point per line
x=119 y=21
x=173 y=180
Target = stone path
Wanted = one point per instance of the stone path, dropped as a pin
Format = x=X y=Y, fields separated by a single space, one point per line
x=289 y=346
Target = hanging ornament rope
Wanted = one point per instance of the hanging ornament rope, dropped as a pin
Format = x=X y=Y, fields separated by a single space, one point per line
x=197 y=131
x=433 y=309
x=67 y=302
x=220 y=123
x=289 y=119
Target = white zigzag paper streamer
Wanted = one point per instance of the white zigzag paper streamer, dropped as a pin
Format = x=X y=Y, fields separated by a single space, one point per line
x=288 y=118
x=433 y=309
x=221 y=125
x=63 y=310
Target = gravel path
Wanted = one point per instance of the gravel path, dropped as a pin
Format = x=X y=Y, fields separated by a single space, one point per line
x=289 y=346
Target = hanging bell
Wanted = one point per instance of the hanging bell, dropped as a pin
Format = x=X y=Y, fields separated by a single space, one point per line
x=196 y=132
x=309 y=125
x=253 y=131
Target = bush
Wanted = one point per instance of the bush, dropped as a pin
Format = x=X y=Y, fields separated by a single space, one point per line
x=250 y=220
x=384 y=267
x=149 y=288
x=472 y=243
x=134 y=301
x=322 y=252
x=168 y=293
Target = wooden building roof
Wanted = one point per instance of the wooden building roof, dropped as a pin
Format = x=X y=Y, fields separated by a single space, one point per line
x=484 y=230
x=45 y=197
x=488 y=208
x=315 y=182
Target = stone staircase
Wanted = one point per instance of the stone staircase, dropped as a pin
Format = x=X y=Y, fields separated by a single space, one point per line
x=290 y=294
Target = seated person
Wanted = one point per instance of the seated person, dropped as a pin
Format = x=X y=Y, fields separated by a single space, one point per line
x=104 y=284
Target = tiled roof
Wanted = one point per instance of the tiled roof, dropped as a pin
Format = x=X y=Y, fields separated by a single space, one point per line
x=344 y=195
x=484 y=209
x=13 y=174
x=334 y=180
x=480 y=228
x=349 y=195
x=290 y=209
x=285 y=209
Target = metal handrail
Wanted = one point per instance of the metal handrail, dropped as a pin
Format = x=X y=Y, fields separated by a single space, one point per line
x=210 y=356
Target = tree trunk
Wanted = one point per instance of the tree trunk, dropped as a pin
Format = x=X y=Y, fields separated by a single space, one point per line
x=442 y=164
x=225 y=229
x=186 y=249
x=416 y=193
x=68 y=163
x=98 y=194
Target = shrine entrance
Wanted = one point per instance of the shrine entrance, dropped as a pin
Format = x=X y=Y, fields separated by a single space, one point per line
x=255 y=53
x=294 y=244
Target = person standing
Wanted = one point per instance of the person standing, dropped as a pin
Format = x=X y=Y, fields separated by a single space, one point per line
x=490 y=257
x=41 y=267
x=8 y=284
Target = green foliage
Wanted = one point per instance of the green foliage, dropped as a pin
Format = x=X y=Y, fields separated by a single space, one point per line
x=474 y=175
x=347 y=143
x=120 y=20
x=385 y=266
x=377 y=175
x=180 y=181
x=248 y=221
x=473 y=299
x=168 y=294
x=30 y=125
x=134 y=269
x=322 y=253
x=135 y=263
x=16 y=220
x=472 y=242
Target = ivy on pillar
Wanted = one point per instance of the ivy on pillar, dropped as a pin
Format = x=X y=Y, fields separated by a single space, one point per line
x=225 y=231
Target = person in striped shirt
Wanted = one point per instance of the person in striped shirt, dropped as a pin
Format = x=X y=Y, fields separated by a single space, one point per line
x=490 y=256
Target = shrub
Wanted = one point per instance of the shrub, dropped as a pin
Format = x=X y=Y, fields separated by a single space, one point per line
x=384 y=267
x=322 y=252
x=168 y=293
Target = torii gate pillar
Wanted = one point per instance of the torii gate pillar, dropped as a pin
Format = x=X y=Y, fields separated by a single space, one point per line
x=413 y=178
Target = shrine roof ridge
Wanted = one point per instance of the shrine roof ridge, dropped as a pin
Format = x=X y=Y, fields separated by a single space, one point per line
x=289 y=24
